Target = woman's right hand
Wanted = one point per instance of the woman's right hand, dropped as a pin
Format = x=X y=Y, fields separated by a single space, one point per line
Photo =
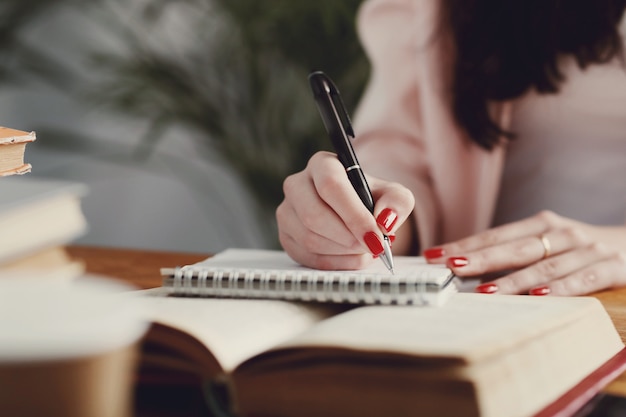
x=323 y=224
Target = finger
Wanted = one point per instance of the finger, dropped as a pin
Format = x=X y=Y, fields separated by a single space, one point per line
x=551 y=269
x=315 y=215
x=517 y=253
x=532 y=226
x=334 y=188
x=322 y=261
x=291 y=229
x=394 y=204
x=607 y=273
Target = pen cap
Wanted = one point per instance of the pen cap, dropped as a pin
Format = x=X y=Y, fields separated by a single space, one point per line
x=339 y=129
x=334 y=116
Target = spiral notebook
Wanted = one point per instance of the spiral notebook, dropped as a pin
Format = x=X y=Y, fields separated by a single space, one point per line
x=271 y=274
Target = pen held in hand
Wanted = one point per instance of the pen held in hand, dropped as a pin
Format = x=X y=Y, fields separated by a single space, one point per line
x=339 y=129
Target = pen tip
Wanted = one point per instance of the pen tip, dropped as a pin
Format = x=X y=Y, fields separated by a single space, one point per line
x=386 y=256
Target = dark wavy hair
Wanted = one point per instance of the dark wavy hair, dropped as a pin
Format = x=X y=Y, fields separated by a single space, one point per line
x=504 y=48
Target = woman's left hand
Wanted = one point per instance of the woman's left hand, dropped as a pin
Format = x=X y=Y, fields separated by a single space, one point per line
x=541 y=255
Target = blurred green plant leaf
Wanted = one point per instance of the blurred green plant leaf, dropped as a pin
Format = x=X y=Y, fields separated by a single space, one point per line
x=233 y=71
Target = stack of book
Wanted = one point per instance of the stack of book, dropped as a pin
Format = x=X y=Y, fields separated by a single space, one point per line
x=38 y=217
x=12 y=148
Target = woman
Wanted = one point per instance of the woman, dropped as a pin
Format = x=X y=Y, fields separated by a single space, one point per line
x=494 y=138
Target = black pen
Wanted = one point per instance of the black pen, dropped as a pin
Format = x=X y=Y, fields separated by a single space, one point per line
x=339 y=128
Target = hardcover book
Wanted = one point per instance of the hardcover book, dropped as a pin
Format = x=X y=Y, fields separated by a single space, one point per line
x=12 y=148
x=36 y=216
x=476 y=355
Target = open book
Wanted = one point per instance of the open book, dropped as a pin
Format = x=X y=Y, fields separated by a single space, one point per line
x=477 y=355
x=254 y=273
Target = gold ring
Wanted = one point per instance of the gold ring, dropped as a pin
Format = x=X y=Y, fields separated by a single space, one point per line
x=547 y=248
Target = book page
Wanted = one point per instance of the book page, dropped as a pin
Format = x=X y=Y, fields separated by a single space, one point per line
x=263 y=259
x=233 y=330
x=469 y=327
x=274 y=260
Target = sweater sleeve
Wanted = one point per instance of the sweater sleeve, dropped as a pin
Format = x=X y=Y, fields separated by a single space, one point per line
x=388 y=126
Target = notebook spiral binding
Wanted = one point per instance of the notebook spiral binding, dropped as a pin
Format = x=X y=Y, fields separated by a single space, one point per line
x=316 y=286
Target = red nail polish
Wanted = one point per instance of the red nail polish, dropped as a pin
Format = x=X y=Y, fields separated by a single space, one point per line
x=539 y=290
x=373 y=243
x=457 y=262
x=434 y=253
x=392 y=238
x=486 y=288
x=387 y=219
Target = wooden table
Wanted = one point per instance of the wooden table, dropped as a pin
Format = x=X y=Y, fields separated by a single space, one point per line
x=615 y=303
x=141 y=268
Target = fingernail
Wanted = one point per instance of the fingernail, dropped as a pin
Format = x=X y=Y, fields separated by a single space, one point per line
x=373 y=243
x=434 y=253
x=540 y=291
x=392 y=238
x=486 y=288
x=457 y=262
x=387 y=219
